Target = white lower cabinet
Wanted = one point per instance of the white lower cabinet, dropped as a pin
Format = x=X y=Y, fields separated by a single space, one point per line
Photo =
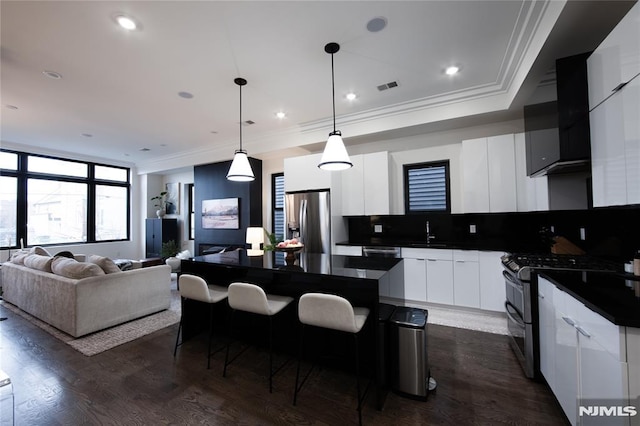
x=492 y=293
x=439 y=276
x=466 y=278
x=415 y=279
x=585 y=363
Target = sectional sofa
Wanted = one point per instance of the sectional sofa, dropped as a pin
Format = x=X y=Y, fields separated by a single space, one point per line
x=83 y=297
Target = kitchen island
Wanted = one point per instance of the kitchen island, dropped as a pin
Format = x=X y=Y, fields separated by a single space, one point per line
x=358 y=279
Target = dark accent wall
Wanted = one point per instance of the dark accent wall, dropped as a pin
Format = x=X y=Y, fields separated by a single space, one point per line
x=211 y=183
x=612 y=232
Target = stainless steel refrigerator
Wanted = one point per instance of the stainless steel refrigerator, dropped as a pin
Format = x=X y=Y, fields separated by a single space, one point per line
x=307 y=216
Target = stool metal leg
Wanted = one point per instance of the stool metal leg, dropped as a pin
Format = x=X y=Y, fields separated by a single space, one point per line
x=210 y=336
x=226 y=358
x=175 y=348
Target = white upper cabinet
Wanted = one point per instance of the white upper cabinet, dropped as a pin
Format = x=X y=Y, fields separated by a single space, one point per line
x=365 y=186
x=615 y=132
x=302 y=173
x=532 y=193
x=475 y=175
x=617 y=58
x=489 y=174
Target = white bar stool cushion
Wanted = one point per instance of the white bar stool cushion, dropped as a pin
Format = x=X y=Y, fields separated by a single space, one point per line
x=196 y=288
x=252 y=298
x=331 y=311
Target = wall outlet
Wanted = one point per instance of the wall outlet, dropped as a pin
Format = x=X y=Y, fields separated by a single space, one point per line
x=377 y=229
x=583 y=234
x=472 y=229
x=552 y=228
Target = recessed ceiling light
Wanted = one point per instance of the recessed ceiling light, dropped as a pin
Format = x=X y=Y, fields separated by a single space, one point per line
x=280 y=115
x=452 y=70
x=377 y=24
x=185 y=95
x=126 y=22
x=351 y=96
x=52 y=74
x=11 y=106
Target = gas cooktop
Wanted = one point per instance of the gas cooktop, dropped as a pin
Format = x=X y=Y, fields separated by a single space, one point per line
x=522 y=263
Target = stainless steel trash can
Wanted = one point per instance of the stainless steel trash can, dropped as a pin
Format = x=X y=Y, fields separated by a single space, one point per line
x=410 y=363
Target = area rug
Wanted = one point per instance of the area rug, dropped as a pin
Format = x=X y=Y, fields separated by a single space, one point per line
x=104 y=340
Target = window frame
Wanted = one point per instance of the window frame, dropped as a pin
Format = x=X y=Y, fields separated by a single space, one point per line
x=274 y=177
x=23 y=175
x=424 y=165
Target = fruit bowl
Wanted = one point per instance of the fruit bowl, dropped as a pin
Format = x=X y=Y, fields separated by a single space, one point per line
x=290 y=251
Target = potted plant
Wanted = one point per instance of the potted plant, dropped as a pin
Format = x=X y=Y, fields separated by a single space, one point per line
x=168 y=252
x=160 y=201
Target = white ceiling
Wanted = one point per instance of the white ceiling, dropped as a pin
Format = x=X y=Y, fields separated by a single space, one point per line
x=122 y=87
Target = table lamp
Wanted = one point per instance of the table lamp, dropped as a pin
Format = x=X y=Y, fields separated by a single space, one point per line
x=255 y=237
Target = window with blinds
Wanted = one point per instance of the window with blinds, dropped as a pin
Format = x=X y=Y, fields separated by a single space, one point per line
x=277 y=188
x=427 y=187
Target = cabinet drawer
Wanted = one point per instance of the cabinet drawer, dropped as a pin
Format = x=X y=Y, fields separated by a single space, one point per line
x=413 y=253
x=465 y=255
x=606 y=334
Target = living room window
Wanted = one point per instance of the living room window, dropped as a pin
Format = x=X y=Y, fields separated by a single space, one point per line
x=426 y=187
x=46 y=200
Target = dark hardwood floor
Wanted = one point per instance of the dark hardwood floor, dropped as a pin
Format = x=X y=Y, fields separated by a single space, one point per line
x=479 y=382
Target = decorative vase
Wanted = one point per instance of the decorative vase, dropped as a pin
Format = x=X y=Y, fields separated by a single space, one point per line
x=174 y=262
x=160 y=213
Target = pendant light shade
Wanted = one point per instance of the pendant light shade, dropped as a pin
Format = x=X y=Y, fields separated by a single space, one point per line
x=240 y=170
x=335 y=156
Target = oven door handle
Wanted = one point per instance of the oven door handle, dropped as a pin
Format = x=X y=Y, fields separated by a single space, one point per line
x=518 y=321
x=511 y=281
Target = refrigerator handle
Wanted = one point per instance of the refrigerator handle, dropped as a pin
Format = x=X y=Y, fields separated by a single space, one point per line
x=303 y=221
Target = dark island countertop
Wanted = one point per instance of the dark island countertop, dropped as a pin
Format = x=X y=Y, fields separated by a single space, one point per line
x=310 y=263
x=615 y=296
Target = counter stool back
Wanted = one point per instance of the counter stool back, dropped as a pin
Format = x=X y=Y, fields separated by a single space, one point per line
x=336 y=313
x=196 y=288
x=252 y=298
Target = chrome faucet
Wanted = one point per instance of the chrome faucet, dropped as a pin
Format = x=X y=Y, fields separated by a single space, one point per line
x=429 y=236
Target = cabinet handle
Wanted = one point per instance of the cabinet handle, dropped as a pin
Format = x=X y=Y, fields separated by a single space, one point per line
x=619 y=86
x=432 y=260
x=582 y=331
x=569 y=321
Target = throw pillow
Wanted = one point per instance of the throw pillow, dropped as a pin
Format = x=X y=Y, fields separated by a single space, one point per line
x=40 y=250
x=73 y=269
x=39 y=262
x=107 y=265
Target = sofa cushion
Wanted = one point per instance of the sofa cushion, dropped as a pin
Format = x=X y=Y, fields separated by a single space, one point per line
x=18 y=257
x=107 y=265
x=71 y=268
x=39 y=262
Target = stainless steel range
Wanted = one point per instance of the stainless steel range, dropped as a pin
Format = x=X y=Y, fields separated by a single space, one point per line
x=521 y=305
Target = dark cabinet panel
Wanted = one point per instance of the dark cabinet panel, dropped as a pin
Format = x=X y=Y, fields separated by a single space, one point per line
x=160 y=231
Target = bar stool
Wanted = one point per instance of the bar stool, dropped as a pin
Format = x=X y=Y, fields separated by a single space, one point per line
x=196 y=288
x=335 y=313
x=252 y=298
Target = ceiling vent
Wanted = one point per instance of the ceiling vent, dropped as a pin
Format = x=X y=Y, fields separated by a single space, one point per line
x=389 y=85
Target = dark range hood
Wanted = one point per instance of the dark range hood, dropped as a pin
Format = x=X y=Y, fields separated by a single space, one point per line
x=557 y=133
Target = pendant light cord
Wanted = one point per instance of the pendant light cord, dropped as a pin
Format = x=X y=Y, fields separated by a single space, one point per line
x=333 y=93
x=240 y=117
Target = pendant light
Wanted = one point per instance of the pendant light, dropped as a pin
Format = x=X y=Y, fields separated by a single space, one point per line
x=240 y=170
x=335 y=156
